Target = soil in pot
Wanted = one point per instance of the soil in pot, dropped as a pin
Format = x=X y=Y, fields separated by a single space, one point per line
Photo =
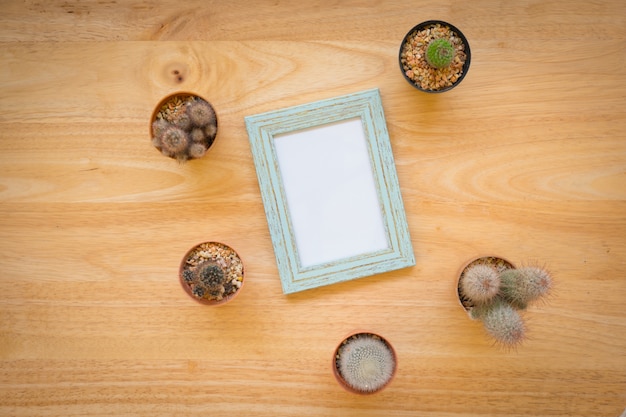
x=183 y=126
x=364 y=363
x=211 y=273
x=416 y=67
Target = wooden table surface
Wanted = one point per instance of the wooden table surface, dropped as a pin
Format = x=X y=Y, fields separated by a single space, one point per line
x=526 y=159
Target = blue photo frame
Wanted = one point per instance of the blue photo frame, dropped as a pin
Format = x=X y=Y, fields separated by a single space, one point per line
x=330 y=191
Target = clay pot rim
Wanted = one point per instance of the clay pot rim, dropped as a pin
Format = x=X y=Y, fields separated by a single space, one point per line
x=155 y=111
x=340 y=378
x=466 y=65
x=186 y=287
x=462 y=269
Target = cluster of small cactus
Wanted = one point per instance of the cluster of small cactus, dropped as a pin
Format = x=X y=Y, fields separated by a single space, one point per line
x=208 y=280
x=185 y=131
x=497 y=296
x=439 y=53
x=365 y=362
x=211 y=273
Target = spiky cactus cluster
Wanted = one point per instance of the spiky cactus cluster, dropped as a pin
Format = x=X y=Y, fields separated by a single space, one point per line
x=185 y=131
x=498 y=295
x=365 y=362
x=208 y=280
x=439 y=53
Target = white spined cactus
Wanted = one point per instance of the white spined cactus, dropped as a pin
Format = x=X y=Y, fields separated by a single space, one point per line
x=480 y=283
x=366 y=362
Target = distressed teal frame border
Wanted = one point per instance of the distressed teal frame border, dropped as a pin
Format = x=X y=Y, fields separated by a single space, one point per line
x=367 y=106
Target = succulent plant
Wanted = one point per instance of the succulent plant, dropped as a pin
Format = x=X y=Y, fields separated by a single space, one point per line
x=439 y=53
x=188 y=276
x=496 y=295
x=208 y=280
x=210 y=131
x=210 y=274
x=182 y=121
x=197 y=135
x=158 y=127
x=480 y=283
x=503 y=323
x=200 y=113
x=365 y=362
x=174 y=142
x=197 y=150
x=184 y=127
x=524 y=285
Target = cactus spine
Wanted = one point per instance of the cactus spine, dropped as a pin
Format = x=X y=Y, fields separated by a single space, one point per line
x=504 y=323
x=498 y=294
x=525 y=285
x=365 y=362
x=480 y=283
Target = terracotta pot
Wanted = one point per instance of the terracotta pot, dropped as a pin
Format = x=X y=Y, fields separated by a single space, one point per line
x=460 y=35
x=191 y=150
x=212 y=252
x=500 y=264
x=340 y=379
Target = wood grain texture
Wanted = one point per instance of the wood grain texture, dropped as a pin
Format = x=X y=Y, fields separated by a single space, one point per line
x=525 y=159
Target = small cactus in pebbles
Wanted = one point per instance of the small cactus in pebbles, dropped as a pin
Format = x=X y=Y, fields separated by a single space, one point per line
x=184 y=127
x=440 y=53
x=211 y=272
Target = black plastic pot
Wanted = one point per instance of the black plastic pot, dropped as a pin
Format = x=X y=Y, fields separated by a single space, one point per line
x=458 y=33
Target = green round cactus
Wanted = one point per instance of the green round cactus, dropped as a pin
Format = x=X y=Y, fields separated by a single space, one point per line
x=480 y=283
x=366 y=362
x=524 y=285
x=439 y=53
x=503 y=323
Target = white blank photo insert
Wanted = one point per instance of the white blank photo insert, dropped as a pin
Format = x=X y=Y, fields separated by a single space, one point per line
x=330 y=192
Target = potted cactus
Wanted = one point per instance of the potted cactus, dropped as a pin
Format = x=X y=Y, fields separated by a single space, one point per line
x=183 y=126
x=494 y=291
x=434 y=56
x=211 y=273
x=364 y=363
